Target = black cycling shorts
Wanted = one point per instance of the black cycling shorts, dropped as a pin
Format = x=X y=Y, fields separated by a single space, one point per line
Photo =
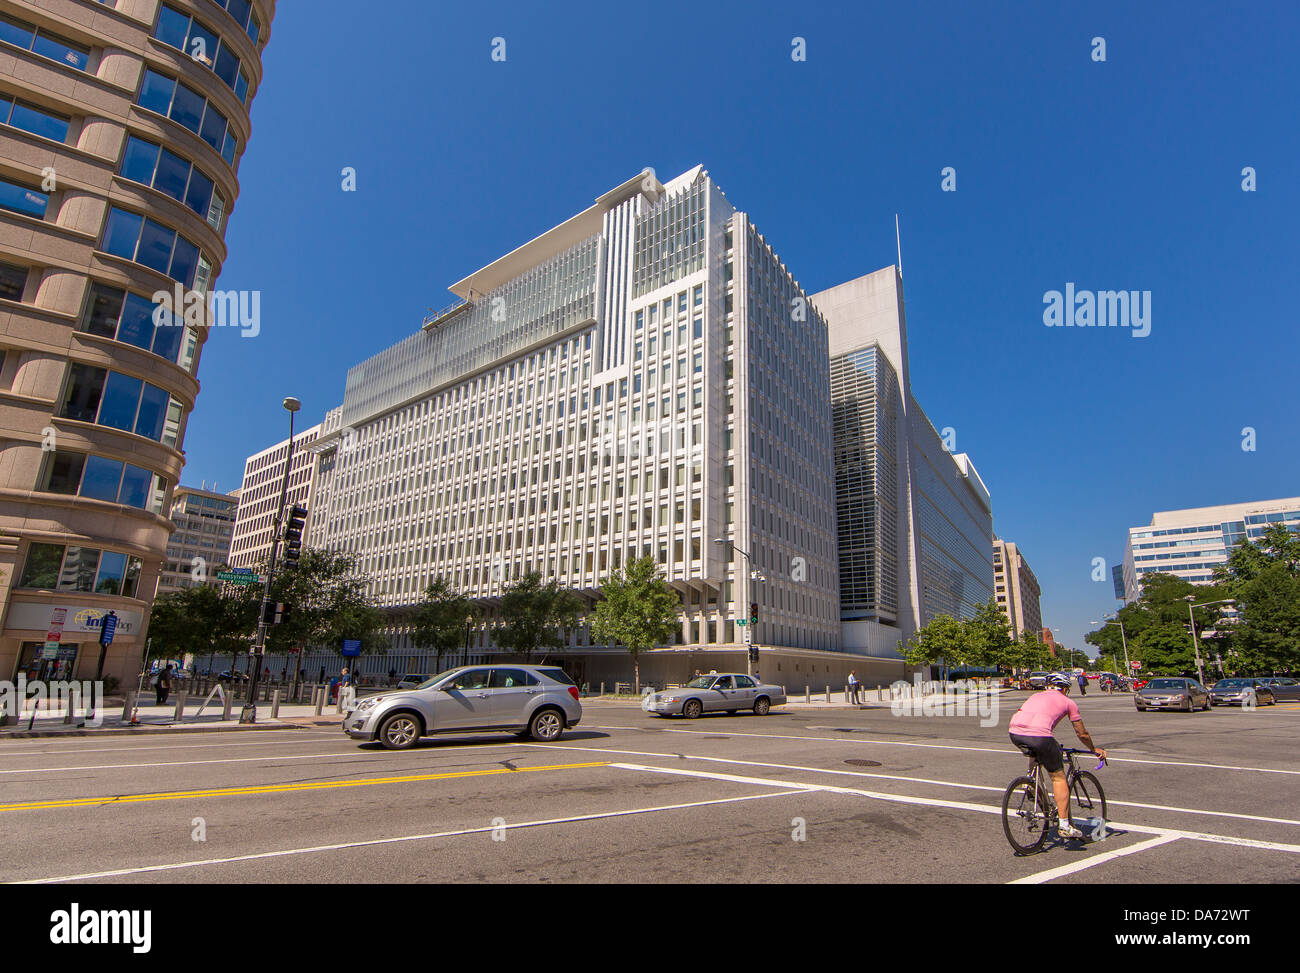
x=1046 y=750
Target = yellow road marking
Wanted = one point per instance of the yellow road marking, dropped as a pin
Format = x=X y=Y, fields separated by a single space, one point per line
x=281 y=788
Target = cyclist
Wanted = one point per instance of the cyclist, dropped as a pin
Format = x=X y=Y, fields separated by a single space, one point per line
x=1031 y=730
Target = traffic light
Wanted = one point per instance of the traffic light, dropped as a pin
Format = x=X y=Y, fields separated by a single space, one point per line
x=275 y=612
x=753 y=613
x=293 y=535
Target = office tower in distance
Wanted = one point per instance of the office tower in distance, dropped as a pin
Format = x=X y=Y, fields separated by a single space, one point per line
x=1190 y=543
x=1017 y=589
x=259 y=496
x=200 y=545
x=915 y=521
x=120 y=140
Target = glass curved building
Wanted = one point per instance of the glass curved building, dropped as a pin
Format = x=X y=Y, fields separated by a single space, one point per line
x=122 y=125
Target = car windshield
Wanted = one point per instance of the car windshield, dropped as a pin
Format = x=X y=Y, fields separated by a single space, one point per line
x=428 y=683
x=1033 y=675
x=1165 y=684
x=1231 y=683
x=701 y=682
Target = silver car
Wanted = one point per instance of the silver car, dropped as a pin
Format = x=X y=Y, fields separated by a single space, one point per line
x=537 y=701
x=728 y=692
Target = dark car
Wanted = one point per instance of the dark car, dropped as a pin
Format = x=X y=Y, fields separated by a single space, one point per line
x=1245 y=691
x=1284 y=687
x=1172 y=692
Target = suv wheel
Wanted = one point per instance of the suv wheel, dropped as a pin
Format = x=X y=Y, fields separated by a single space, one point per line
x=401 y=731
x=546 y=725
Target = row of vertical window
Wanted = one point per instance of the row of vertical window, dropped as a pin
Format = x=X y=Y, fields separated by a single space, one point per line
x=40 y=41
x=139 y=239
x=164 y=170
x=123 y=402
x=100 y=478
x=204 y=45
x=54 y=567
x=30 y=118
x=185 y=106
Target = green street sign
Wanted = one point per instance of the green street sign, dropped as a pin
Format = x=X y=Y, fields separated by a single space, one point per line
x=742 y=621
x=234 y=578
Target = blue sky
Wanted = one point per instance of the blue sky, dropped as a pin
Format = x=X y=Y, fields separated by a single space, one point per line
x=1117 y=175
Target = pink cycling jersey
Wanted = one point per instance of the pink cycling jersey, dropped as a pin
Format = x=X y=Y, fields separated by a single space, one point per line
x=1041 y=712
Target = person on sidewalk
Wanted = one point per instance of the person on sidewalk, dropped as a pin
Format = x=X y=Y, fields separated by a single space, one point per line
x=853 y=687
x=163 y=686
x=1083 y=684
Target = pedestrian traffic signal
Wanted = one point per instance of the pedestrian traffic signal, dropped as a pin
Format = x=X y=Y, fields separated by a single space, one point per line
x=753 y=613
x=274 y=612
x=293 y=535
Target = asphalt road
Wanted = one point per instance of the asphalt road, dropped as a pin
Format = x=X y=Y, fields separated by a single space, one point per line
x=628 y=797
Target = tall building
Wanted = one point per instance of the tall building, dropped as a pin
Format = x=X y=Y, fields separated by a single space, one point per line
x=259 y=496
x=1017 y=589
x=200 y=545
x=1190 y=543
x=122 y=124
x=915 y=521
x=643 y=379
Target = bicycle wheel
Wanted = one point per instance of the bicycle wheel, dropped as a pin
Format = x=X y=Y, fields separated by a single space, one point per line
x=1087 y=795
x=1025 y=815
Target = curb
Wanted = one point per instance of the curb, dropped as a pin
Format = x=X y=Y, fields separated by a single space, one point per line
x=143 y=730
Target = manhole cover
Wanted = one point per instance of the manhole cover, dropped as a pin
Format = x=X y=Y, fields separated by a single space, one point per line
x=864 y=763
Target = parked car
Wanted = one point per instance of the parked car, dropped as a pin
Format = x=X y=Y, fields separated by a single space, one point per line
x=1038 y=680
x=1242 y=691
x=1284 y=687
x=226 y=677
x=537 y=701
x=1172 y=693
x=728 y=692
x=411 y=680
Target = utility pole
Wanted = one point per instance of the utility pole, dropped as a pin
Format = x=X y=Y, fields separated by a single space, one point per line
x=249 y=713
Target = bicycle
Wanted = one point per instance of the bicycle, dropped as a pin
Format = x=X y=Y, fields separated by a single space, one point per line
x=1029 y=809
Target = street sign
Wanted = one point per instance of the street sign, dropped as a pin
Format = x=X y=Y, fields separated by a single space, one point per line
x=50 y=652
x=238 y=577
x=1135 y=665
x=351 y=647
x=742 y=621
x=106 y=629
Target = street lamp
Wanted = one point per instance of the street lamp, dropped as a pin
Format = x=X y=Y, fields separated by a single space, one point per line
x=469 y=620
x=1122 y=636
x=1196 y=644
x=751 y=576
x=249 y=713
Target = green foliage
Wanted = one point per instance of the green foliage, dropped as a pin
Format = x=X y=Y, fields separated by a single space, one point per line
x=1264 y=578
x=1157 y=624
x=981 y=641
x=637 y=610
x=438 y=621
x=536 y=614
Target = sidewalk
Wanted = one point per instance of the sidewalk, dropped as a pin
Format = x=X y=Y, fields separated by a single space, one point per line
x=161 y=719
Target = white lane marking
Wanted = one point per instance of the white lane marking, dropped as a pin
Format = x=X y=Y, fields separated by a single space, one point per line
x=358 y=754
x=943 y=746
x=181 y=746
x=965 y=806
x=388 y=841
x=913 y=780
x=1038 y=878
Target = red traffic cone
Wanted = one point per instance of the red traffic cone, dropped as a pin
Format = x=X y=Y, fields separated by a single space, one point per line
x=135 y=716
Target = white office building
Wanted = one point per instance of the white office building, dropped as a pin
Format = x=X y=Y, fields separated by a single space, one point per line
x=259 y=496
x=1191 y=543
x=642 y=379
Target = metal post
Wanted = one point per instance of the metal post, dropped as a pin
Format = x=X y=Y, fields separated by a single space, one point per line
x=249 y=712
x=320 y=700
x=228 y=702
x=180 y=708
x=807 y=694
x=275 y=704
x=1196 y=645
x=828 y=694
x=130 y=705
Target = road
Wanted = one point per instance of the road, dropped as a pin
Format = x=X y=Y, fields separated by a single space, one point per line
x=831 y=795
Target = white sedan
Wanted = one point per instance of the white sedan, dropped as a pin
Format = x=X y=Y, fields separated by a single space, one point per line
x=728 y=692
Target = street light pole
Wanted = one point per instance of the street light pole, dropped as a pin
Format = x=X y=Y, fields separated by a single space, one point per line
x=1196 y=644
x=249 y=713
x=749 y=588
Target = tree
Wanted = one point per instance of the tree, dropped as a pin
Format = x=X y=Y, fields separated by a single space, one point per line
x=535 y=614
x=988 y=636
x=1264 y=578
x=940 y=640
x=637 y=610
x=438 y=620
x=1157 y=624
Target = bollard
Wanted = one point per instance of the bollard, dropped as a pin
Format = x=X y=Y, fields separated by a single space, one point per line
x=230 y=700
x=602 y=689
x=828 y=694
x=275 y=704
x=807 y=695
x=319 y=700
x=180 y=708
x=130 y=705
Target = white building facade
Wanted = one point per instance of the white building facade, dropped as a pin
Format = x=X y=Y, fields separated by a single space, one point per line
x=643 y=379
x=259 y=496
x=1191 y=543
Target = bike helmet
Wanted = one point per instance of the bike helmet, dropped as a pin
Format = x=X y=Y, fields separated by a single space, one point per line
x=1059 y=680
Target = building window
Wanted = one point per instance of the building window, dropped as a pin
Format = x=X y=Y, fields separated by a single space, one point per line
x=20 y=199
x=127 y=317
x=84 y=475
x=136 y=238
x=42 y=42
x=202 y=45
x=185 y=106
x=151 y=164
x=31 y=119
x=120 y=402
x=12 y=281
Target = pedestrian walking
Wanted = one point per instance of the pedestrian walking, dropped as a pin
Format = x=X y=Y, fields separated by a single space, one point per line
x=1083 y=684
x=392 y=677
x=853 y=687
x=163 y=685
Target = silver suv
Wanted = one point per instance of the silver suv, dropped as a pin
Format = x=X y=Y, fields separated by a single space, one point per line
x=537 y=701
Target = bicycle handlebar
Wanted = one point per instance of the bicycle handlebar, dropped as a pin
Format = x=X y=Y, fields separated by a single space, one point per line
x=1072 y=751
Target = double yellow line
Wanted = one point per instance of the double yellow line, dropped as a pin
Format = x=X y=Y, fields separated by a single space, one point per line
x=282 y=788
